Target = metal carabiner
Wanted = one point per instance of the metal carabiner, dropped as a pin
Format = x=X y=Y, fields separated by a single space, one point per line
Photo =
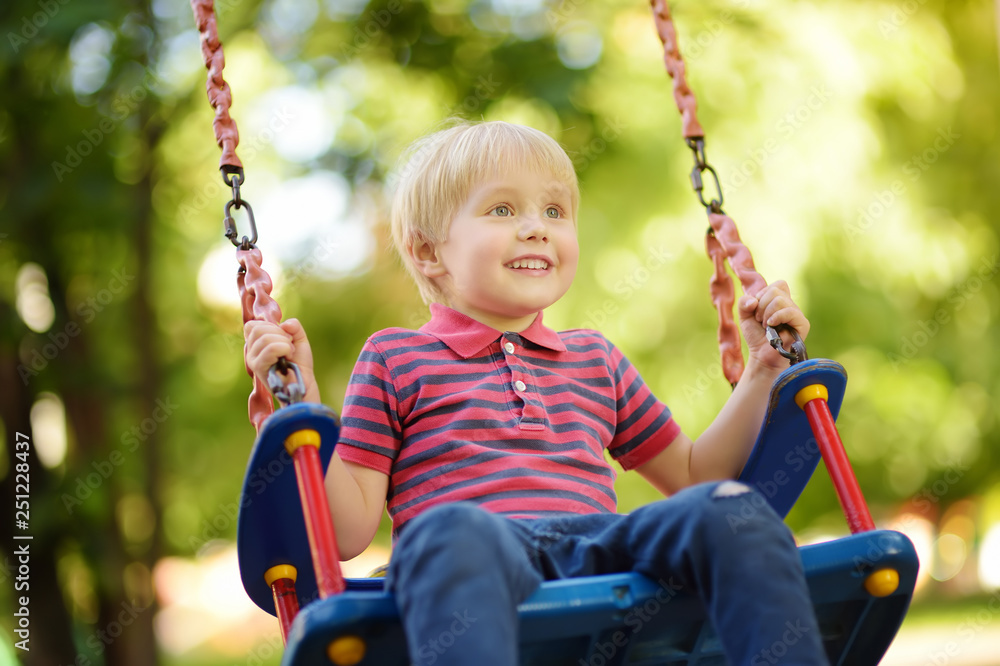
x=288 y=393
x=697 y=146
x=797 y=350
x=715 y=205
x=230 y=224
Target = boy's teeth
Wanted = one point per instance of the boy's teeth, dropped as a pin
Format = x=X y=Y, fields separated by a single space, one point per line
x=528 y=263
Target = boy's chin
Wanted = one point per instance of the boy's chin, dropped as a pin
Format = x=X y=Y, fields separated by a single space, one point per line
x=532 y=307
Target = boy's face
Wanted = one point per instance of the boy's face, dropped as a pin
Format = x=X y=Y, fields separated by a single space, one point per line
x=511 y=249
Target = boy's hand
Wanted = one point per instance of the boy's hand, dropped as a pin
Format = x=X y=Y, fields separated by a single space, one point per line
x=772 y=307
x=267 y=342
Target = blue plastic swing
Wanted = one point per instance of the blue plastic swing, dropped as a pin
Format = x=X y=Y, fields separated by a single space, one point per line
x=860 y=585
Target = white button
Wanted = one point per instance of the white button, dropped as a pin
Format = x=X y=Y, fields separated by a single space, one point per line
x=519 y=385
x=509 y=347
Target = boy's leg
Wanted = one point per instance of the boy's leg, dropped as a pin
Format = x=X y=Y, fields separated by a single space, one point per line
x=459 y=573
x=723 y=542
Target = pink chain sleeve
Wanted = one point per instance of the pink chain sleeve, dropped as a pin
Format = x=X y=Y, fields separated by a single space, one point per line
x=255 y=293
x=723 y=241
x=686 y=102
x=219 y=94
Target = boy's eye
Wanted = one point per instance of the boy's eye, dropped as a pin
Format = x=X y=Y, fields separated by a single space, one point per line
x=502 y=211
x=553 y=212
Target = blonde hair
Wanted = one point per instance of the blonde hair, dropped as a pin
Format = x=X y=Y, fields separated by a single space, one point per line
x=438 y=172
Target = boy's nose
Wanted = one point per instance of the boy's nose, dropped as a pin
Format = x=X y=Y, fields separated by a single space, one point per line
x=532 y=228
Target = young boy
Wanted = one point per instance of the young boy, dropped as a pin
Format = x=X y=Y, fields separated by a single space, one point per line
x=485 y=431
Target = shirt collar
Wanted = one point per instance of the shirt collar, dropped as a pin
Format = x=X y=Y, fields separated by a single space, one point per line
x=465 y=336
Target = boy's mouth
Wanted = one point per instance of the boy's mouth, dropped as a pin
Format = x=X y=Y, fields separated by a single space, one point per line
x=528 y=263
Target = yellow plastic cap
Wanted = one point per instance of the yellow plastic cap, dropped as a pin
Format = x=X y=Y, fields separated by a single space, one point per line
x=346 y=650
x=810 y=393
x=301 y=438
x=882 y=583
x=278 y=572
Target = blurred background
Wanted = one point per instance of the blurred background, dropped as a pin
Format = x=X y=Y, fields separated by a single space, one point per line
x=855 y=142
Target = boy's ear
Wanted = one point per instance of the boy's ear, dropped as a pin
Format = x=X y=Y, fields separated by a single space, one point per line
x=425 y=257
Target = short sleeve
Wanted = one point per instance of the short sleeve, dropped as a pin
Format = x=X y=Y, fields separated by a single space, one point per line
x=370 y=433
x=644 y=426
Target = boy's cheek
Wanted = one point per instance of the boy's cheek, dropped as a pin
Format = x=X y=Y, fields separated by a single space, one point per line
x=575 y=259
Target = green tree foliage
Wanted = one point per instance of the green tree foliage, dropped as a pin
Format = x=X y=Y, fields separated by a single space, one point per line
x=855 y=142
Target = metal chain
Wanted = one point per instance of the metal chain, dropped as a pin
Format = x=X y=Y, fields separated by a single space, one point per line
x=722 y=241
x=226 y=133
x=219 y=94
x=686 y=102
x=255 y=295
x=252 y=280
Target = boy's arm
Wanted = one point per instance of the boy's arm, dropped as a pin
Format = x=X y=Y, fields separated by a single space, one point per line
x=722 y=450
x=359 y=474
x=357 y=497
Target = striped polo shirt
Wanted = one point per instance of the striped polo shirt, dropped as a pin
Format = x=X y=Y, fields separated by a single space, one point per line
x=515 y=422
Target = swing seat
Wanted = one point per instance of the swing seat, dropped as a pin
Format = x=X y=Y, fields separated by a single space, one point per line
x=630 y=619
x=860 y=585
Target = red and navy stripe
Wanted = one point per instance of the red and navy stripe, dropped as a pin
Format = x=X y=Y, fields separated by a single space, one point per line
x=451 y=428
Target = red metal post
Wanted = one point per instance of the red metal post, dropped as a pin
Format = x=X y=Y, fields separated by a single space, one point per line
x=859 y=519
x=286 y=604
x=304 y=446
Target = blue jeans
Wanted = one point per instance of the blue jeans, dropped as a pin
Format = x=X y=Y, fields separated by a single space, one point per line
x=459 y=572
